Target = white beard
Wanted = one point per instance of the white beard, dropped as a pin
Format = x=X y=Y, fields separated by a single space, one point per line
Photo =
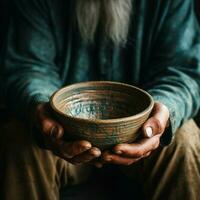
x=112 y=15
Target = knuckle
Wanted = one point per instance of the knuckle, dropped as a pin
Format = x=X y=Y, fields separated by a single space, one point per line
x=139 y=153
x=158 y=128
x=158 y=125
x=155 y=144
x=46 y=125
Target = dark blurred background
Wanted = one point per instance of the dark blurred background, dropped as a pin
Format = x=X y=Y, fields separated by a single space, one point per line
x=4 y=13
x=197 y=6
x=4 y=19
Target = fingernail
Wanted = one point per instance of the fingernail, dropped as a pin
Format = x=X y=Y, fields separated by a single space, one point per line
x=149 y=132
x=118 y=152
x=96 y=153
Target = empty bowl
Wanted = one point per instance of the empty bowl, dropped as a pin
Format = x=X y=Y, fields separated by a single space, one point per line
x=104 y=113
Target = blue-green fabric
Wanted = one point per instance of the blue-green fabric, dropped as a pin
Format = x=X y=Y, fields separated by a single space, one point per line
x=44 y=52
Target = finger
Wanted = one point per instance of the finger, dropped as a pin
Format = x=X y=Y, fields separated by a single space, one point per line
x=70 y=150
x=158 y=121
x=109 y=158
x=51 y=128
x=47 y=125
x=87 y=156
x=138 y=150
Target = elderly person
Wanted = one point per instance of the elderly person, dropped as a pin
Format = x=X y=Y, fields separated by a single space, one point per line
x=153 y=44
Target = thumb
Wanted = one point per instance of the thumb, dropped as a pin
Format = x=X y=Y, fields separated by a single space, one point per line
x=158 y=121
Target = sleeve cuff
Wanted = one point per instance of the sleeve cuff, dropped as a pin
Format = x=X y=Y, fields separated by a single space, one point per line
x=39 y=98
x=33 y=102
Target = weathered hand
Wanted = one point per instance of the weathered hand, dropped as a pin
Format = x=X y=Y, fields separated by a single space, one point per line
x=76 y=152
x=127 y=154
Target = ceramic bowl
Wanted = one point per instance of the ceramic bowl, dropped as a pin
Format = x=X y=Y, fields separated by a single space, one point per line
x=104 y=113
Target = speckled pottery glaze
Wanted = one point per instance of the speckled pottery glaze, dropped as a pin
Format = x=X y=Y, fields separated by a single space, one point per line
x=104 y=113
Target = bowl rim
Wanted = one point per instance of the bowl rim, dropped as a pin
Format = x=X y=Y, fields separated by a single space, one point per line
x=116 y=120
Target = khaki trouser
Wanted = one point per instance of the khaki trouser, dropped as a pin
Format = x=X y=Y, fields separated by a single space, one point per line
x=28 y=172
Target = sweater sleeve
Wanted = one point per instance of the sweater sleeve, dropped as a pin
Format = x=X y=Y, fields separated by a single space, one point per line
x=175 y=65
x=30 y=75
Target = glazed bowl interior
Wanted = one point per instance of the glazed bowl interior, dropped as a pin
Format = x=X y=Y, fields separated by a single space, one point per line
x=101 y=101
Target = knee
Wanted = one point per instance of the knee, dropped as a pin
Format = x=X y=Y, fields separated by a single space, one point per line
x=186 y=141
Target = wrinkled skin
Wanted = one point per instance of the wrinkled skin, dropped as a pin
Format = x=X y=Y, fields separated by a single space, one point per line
x=80 y=152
